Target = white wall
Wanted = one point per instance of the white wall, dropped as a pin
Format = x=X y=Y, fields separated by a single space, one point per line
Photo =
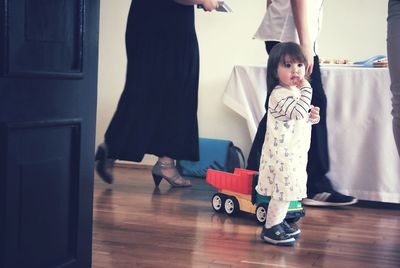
x=112 y=60
x=352 y=29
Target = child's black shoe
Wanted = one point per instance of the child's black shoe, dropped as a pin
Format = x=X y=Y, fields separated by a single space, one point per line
x=290 y=230
x=276 y=235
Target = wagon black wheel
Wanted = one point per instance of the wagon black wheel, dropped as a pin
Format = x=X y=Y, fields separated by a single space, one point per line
x=261 y=213
x=231 y=205
x=217 y=202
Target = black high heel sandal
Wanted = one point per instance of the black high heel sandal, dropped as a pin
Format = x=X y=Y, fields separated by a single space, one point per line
x=173 y=180
x=104 y=165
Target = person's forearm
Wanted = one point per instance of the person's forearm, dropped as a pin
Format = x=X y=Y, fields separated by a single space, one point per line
x=300 y=20
x=299 y=10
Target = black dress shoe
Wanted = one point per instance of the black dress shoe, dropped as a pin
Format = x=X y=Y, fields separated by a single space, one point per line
x=104 y=165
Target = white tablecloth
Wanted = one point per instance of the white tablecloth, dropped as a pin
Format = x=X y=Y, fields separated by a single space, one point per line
x=363 y=157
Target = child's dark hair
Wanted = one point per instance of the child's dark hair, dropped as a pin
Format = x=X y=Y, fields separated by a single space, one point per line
x=277 y=56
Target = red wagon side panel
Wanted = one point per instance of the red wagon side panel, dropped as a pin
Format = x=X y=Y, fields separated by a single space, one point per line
x=240 y=181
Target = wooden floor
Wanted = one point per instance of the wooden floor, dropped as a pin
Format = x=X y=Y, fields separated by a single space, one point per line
x=138 y=225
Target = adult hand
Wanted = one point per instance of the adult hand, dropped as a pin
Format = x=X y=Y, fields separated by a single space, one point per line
x=210 y=5
x=309 y=54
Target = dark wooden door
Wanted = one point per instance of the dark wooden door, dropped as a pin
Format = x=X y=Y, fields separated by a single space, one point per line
x=48 y=81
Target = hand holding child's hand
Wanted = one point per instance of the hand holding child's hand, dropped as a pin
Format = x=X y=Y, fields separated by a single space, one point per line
x=314 y=115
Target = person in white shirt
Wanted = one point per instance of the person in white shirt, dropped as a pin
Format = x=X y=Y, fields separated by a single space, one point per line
x=300 y=21
x=282 y=174
x=393 y=45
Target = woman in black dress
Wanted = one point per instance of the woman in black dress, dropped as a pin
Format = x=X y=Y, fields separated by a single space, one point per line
x=157 y=111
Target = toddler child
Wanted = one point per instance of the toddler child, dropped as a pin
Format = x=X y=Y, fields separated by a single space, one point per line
x=283 y=162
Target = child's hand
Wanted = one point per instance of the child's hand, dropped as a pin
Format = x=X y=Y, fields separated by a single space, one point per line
x=314 y=115
x=302 y=82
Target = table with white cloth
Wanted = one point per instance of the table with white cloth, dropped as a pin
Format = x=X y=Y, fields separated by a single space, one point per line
x=363 y=158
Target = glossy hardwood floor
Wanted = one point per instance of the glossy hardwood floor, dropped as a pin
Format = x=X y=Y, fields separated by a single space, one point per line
x=138 y=225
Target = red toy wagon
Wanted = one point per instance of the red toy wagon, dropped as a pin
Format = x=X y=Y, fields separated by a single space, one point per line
x=236 y=192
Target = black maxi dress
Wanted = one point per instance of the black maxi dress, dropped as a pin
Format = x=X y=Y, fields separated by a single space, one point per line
x=157 y=111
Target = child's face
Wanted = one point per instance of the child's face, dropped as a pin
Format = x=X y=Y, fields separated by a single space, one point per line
x=290 y=72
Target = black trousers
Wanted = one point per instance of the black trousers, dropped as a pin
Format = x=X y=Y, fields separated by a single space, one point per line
x=318 y=155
